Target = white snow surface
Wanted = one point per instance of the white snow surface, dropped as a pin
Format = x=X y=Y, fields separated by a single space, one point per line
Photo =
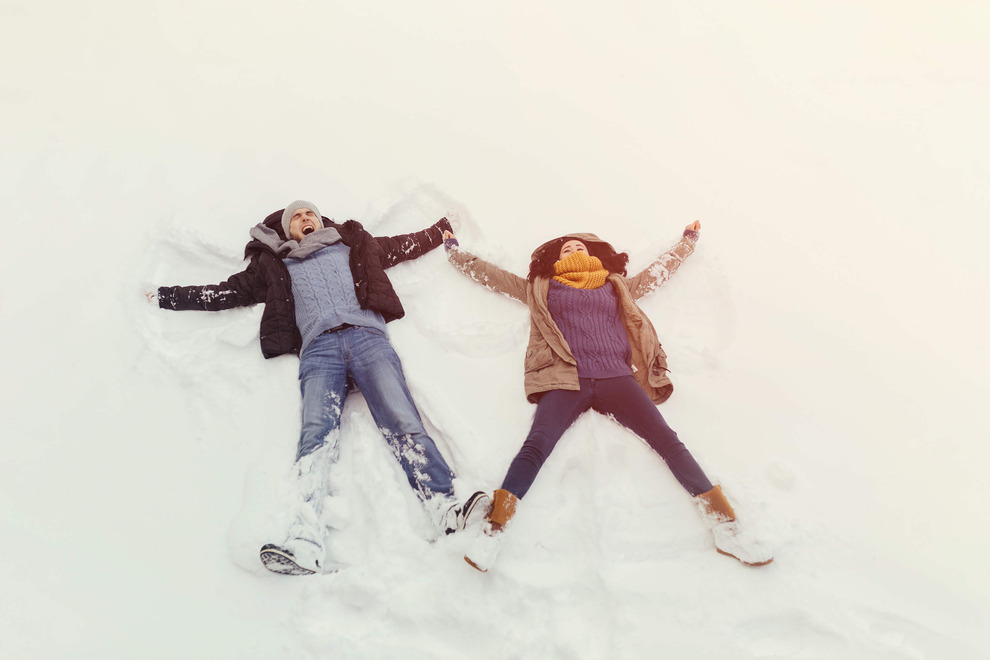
x=827 y=339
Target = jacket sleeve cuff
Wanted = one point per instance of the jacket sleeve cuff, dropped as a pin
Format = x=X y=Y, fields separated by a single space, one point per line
x=693 y=235
x=444 y=225
x=449 y=243
x=163 y=298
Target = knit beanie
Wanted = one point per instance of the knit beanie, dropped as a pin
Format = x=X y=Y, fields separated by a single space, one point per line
x=292 y=208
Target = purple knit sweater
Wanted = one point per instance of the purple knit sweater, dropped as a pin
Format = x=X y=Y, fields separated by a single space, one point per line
x=590 y=321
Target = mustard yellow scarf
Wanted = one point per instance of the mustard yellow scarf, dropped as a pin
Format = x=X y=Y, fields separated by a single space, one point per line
x=581 y=271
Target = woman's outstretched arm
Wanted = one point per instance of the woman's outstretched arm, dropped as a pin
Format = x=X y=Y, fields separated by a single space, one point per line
x=657 y=273
x=483 y=272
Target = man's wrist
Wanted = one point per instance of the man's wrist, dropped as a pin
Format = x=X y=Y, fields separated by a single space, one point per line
x=444 y=225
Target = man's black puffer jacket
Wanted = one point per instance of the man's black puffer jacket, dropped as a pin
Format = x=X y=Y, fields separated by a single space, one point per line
x=266 y=280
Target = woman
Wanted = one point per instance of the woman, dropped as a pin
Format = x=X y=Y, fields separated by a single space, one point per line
x=591 y=346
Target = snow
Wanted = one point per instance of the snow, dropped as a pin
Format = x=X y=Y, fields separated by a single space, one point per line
x=826 y=340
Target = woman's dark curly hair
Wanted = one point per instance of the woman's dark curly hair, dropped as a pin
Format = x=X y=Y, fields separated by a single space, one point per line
x=542 y=263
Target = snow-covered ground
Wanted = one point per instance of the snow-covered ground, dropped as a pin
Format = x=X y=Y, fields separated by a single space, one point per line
x=827 y=339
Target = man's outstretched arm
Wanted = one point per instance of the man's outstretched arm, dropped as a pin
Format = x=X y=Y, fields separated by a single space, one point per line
x=237 y=291
x=396 y=249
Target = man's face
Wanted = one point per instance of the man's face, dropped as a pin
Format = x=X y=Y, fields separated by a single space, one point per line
x=303 y=222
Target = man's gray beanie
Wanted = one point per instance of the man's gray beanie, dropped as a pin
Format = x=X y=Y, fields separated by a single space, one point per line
x=292 y=208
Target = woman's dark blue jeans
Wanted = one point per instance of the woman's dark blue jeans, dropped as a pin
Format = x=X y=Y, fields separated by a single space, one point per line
x=625 y=400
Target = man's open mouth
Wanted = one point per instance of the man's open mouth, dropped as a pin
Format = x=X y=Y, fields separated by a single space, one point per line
x=308 y=229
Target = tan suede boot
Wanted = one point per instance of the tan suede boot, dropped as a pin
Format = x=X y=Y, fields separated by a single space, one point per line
x=730 y=538
x=714 y=507
x=503 y=508
x=486 y=545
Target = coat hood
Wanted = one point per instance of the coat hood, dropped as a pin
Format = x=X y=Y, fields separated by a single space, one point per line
x=585 y=238
x=267 y=234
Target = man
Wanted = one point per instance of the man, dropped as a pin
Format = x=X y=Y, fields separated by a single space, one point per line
x=327 y=298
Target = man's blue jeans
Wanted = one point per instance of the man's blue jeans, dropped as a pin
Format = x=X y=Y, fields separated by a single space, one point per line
x=364 y=357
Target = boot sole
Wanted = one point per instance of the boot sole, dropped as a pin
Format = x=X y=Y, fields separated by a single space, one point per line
x=745 y=563
x=279 y=561
x=475 y=566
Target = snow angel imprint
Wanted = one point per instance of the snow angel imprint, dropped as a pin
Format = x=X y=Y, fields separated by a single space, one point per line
x=592 y=347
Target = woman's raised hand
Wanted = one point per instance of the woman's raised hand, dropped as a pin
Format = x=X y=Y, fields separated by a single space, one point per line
x=447 y=234
x=694 y=226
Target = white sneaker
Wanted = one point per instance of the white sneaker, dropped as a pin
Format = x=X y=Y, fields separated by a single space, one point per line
x=732 y=540
x=457 y=517
x=484 y=549
x=294 y=557
x=307 y=554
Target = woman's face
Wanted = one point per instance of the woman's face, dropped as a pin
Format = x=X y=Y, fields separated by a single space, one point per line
x=572 y=246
